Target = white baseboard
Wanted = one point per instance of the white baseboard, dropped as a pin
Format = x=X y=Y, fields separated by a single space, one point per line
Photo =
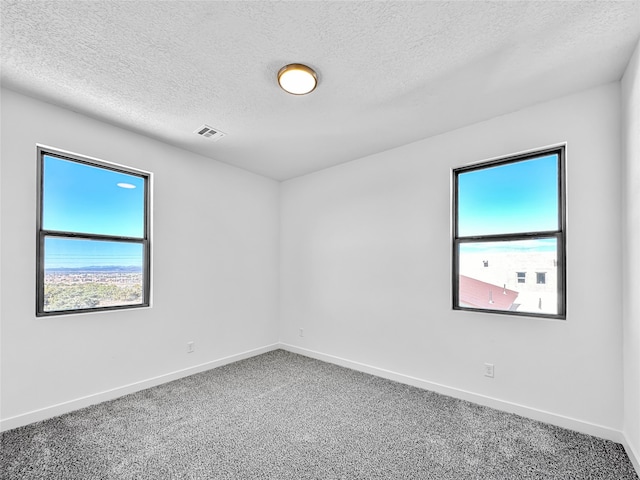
x=71 y=405
x=632 y=454
x=522 y=410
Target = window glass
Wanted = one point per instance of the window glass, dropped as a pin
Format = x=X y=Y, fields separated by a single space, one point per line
x=508 y=244
x=81 y=274
x=496 y=287
x=71 y=253
x=93 y=250
x=509 y=198
x=87 y=199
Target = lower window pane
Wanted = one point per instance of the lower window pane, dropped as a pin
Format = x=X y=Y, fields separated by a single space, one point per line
x=81 y=274
x=517 y=275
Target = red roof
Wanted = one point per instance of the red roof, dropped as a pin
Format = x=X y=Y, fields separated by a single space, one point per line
x=478 y=294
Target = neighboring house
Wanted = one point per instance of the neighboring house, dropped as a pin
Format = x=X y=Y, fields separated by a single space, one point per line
x=533 y=275
x=479 y=294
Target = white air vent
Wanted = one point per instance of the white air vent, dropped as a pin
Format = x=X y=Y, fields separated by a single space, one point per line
x=210 y=133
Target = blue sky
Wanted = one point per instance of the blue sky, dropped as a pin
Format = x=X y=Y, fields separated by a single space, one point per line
x=74 y=253
x=512 y=198
x=85 y=199
x=532 y=245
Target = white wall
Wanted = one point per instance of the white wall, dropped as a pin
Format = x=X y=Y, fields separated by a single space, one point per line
x=631 y=248
x=215 y=268
x=366 y=268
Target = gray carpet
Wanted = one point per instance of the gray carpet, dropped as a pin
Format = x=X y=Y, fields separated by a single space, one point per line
x=285 y=416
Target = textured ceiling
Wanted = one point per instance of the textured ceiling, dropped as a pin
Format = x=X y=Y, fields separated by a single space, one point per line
x=389 y=72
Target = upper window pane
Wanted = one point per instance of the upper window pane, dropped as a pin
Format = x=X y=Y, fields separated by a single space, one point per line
x=82 y=198
x=516 y=197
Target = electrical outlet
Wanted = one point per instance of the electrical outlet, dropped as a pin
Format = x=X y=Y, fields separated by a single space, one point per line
x=191 y=347
x=488 y=370
x=302 y=332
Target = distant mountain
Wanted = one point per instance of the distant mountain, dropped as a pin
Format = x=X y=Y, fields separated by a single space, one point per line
x=96 y=269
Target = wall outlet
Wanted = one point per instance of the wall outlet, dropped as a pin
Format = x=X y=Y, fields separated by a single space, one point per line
x=191 y=347
x=488 y=370
x=302 y=332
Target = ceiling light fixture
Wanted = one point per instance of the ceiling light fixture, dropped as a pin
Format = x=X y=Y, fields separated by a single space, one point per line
x=297 y=79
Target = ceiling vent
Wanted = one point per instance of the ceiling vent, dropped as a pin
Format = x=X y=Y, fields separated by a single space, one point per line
x=210 y=133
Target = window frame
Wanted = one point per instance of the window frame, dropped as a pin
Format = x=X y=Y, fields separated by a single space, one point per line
x=559 y=234
x=42 y=234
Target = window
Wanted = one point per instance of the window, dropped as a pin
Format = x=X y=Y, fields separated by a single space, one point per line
x=511 y=214
x=93 y=249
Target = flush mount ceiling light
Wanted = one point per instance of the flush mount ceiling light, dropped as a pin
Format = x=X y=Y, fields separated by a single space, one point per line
x=297 y=79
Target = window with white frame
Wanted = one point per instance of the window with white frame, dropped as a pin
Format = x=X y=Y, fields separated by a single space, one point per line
x=510 y=213
x=93 y=246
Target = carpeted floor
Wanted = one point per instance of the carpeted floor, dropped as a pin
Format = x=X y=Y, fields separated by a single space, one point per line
x=285 y=416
